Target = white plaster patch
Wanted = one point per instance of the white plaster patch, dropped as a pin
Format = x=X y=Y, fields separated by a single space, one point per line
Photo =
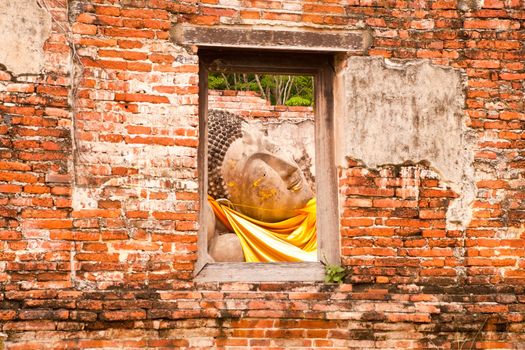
x=392 y=113
x=25 y=27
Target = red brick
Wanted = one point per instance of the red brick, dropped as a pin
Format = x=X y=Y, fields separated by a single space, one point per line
x=30 y=326
x=144 y=13
x=499 y=24
x=141 y=98
x=97 y=257
x=82 y=28
x=174 y=216
x=28 y=88
x=107 y=10
x=139 y=66
x=128 y=55
x=10 y=188
x=14 y=166
x=163 y=141
x=323 y=9
x=250 y=14
x=205 y=20
x=52 y=224
x=99 y=42
x=129 y=33
x=32 y=213
x=86 y=18
x=156 y=24
x=130 y=44
x=110 y=21
x=96 y=213
x=512 y=76
x=17 y=177
x=36 y=189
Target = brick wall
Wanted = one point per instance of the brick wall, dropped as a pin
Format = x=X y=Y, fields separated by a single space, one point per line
x=99 y=204
x=251 y=105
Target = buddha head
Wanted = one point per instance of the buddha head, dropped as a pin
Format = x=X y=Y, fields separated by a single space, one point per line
x=250 y=171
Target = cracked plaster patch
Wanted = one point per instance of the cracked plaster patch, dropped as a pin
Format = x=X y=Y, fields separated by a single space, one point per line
x=25 y=27
x=394 y=113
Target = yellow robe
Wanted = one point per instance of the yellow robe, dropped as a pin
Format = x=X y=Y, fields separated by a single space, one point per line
x=290 y=240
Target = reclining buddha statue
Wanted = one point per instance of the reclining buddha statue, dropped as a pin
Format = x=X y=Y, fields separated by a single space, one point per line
x=261 y=208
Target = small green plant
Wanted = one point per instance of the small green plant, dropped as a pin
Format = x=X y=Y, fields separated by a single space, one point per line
x=334 y=273
x=298 y=101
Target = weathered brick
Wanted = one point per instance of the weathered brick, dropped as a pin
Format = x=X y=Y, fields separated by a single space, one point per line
x=98 y=230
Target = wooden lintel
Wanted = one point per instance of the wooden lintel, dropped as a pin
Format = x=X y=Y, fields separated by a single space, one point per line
x=290 y=40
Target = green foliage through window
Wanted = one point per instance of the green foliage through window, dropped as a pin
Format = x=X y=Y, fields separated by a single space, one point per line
x=298 y=101
x=290 y=90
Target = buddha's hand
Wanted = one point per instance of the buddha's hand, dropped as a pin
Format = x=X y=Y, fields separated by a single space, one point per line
x=226 y=248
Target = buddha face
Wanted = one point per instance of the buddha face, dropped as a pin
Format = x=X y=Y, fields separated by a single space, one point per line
x=262 y=181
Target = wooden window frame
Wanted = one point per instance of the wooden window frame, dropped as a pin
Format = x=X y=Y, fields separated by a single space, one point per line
x=321 y=67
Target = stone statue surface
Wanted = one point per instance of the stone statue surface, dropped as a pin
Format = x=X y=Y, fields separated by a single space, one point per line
x=253 y=175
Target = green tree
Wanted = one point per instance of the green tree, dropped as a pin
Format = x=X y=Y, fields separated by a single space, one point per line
x=290 y=90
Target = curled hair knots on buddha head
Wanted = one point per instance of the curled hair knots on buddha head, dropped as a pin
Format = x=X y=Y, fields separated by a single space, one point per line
x=223 y=129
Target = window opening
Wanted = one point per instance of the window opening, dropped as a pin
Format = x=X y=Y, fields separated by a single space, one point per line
x=261 y=172
x=266 y=163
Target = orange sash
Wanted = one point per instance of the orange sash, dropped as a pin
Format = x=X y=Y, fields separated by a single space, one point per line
x=290 y=240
